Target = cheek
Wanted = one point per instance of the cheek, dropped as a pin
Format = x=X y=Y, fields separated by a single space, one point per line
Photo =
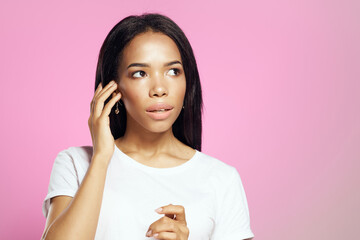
x=132 y=97
x=130 y=94
x=181 y=89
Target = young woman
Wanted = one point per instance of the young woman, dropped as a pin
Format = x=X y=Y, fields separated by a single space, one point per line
x=145 y=124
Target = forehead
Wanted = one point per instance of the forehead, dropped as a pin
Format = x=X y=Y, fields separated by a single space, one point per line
x=151 y=47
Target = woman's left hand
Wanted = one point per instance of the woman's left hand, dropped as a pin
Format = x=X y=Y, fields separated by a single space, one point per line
x=170 y=227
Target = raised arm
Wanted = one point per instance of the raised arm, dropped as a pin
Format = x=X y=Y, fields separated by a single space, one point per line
x=77 y=218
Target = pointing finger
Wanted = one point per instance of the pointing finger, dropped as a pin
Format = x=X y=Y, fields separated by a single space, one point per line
x=177 y=210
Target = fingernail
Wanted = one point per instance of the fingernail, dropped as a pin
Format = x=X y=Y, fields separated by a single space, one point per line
x=155 y=235
x=159 y=210
x=148 y=234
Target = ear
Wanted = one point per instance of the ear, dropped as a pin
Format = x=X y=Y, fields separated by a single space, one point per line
x=118 y=90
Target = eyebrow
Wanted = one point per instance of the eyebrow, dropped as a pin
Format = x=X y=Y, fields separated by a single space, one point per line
x=148 y=65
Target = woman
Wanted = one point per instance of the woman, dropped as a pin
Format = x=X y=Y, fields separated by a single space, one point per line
x=145 y=124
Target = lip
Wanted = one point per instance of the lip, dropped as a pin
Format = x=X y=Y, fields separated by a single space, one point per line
x=159 y=115
x=159 y=106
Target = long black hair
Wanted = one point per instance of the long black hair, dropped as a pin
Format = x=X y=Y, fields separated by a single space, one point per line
x=188 y=126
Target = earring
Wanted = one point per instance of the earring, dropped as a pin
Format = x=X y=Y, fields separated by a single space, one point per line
x=117 y=108
x=183 y=107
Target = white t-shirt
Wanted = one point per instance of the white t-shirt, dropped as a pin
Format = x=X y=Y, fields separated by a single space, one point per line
x=211 y=192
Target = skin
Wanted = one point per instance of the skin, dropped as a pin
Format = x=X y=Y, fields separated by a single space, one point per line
x=172 y=225
x=159 y=78
x=150 y=142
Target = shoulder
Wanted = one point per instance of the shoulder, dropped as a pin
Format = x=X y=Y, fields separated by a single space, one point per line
x=79 y=156
x=83 y=152
x=219 y=171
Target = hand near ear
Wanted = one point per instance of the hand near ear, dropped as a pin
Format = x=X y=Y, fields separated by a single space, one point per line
x=99 y=122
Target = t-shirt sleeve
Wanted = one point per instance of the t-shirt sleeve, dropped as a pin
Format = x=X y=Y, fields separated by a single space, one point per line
x=63 y=179
x=233 y=219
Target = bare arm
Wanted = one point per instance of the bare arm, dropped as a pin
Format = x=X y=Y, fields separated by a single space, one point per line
x=77 y=218
x=57 y=205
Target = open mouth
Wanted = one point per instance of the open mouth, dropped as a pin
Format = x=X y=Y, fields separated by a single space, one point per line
x=160 y=110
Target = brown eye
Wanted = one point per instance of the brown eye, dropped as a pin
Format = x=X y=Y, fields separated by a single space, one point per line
x=174 y=71
x=139 y=74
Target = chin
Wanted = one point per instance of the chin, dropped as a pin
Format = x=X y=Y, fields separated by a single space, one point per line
x=154 y=126
x=159 y=127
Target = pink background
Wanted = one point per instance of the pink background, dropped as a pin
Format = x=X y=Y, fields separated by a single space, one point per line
x=281 y=85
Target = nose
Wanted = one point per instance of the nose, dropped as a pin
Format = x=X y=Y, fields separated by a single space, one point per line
x=158 y=88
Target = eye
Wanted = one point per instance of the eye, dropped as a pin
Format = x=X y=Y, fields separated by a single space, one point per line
x=174 y=71
x=139 y=74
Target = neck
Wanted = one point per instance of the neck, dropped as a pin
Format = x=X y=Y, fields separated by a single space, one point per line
x=138 y=139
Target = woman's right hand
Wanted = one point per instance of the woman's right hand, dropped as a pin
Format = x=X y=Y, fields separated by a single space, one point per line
x=99 y=122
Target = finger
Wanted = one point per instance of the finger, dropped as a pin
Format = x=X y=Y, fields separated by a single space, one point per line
x=165 y=235
x=110 y=104
x=106 y=88
x=100 y=99
x=172 y=216
x=98 y=89
x=163 y=224
x=178 y=210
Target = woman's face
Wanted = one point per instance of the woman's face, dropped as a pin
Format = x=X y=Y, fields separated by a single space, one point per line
x=150 y=74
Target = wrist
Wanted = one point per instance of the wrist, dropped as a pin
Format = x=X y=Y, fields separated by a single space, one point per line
x=100 y=160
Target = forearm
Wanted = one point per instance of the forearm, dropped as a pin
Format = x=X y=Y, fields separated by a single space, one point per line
x=79 y=220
